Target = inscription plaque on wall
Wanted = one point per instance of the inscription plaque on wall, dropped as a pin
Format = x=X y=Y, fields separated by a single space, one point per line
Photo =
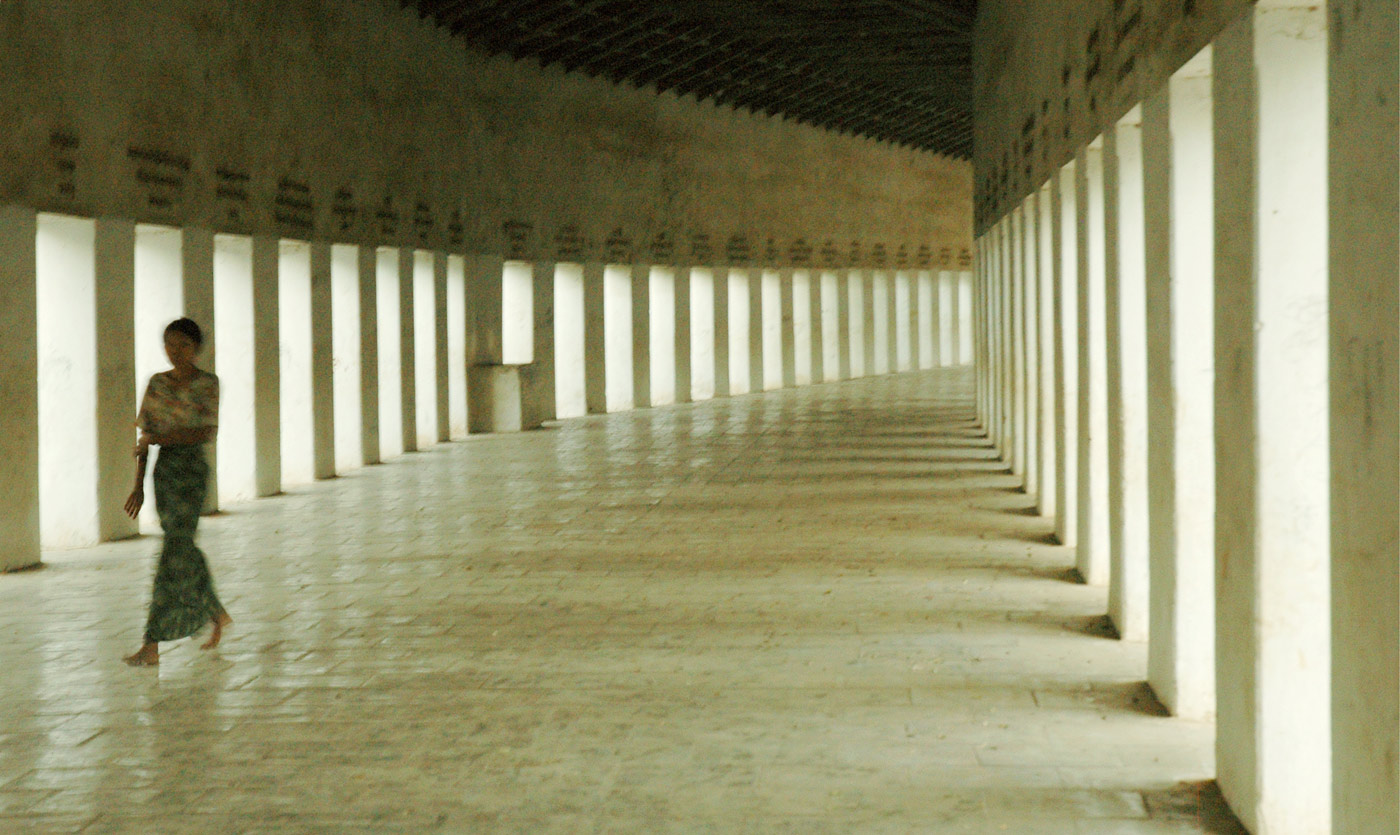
x=569 y=244
x=618 y=247
x=160 y=174
x=456 y=231
x=231 y=192
x=855 y=253
x=423 y=221
x=924 y=258
x=945 y=257
x=771 y=251
x=344 y=209
x=800 y=252
x=662 y=248
x=386 y=217
x=293 y=207
x=877 y=255
x=901 y=256
x=516 y=235
x=737 y=249
x=830 y=255
x=965 y=258
x=701 y=249
x=63 y=146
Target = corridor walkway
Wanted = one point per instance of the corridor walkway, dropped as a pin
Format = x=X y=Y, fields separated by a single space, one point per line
x=815 y=610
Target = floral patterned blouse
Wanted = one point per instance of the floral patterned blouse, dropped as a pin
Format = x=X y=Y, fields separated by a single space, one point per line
x=167 y=405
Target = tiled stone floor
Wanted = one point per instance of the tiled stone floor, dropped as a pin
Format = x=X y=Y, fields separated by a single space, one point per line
x=817 y=610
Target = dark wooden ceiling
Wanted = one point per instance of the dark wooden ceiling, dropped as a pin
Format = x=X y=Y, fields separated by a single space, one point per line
x=896 y=70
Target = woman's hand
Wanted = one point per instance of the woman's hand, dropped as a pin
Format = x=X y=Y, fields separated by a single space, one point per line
x=142 y=446
x=134 y=502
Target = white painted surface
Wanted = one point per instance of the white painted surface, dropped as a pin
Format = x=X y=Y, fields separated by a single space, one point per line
x=569 y=369
x=702 y=333
x=425 y=346
x=233 y=321
x=663 y=335
x=457 y=345
x=345 y=327
x=739 y=322
x=294 y=325
x=390 y=352
x=66 y=296
x=617 y=330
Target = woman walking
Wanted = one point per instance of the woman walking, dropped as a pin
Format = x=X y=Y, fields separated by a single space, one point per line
x=179 y=413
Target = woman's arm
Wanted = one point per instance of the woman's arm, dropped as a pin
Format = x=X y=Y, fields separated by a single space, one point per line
x=138 y=492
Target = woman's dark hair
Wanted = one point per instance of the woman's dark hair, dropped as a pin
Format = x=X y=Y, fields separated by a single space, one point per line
x=187 y=327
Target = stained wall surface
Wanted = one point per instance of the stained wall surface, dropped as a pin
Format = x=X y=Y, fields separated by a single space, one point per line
x=1050 y=75
x=356 y=121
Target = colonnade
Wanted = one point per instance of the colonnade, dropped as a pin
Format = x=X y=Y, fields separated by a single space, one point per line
x=333 y=356
x=1186 y=343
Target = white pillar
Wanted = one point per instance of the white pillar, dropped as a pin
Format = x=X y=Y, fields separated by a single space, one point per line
x=1272 y=519
x=926 y=337
x=843 y=325
x=946 y=294
x=267 y=365
x=408 y=352
x=369 y=355
x=684 y=321
x=19 y=388
x=962 y=328
x=115 y=262
x=1180 y=253
x=486 y=331
x=1065 y=232
x=787 y=326
x=1126 y=341
x=1365 y=428
x=641 y=335
x=1046 y=441
x=719 y=306
x=1030 y=360
x=758 y=336
x=322 y=362
x=595 y=346
x=539 y=386
x=816 y=327
x=1092 y=526
x=197 y=289
x=869 y=331
x=442 y=341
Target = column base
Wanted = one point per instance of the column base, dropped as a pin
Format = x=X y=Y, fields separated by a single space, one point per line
x=496 y=400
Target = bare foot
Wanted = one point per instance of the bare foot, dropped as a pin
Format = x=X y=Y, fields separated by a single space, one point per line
x=220 y=621
x=147 y=656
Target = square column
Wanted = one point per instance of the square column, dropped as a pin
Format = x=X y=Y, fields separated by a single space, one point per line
x=19 y=388
x=720 y=306
x=962 y=328
x=888 y=312
x=1046 y=440
x=1365 y=426
x=684 y=362
x=267 y=366
x=757 y=337
x=1127 y=379
x=369 y=355
x=595 y=345
x=1180 y=255
x=486 y=344
x=1064 y=235
x=868 y=332
x=1092 y=560
x=926 y=308
x=787 y=327
x=843 y=325
x=1030 y=377
x=945 y=293
x=1271 y=422
x=1006 y=330
x=115 y=263
x=538 y=380
x=441 y=346
x=322 y=363
x=816 y=323
x=906 y=320
x=197 y=288
x=408 y=362
x=641 y=335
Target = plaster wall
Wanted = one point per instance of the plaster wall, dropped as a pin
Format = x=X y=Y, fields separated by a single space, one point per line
x=358 y=122
x=1050 y=75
